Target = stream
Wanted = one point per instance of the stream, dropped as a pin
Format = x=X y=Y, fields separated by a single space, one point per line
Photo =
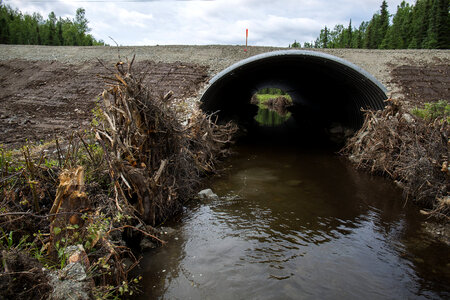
x=292 y=223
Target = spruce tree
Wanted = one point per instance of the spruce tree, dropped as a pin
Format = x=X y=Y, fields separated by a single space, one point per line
x=382 y=26
x=397 y=36
x=423 y=25
x=349 y=35
x=443 y=25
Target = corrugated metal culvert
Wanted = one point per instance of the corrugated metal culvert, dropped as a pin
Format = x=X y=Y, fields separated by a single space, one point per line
x=323 y=87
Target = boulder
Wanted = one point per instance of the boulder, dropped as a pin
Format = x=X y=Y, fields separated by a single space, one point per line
x=207 y=194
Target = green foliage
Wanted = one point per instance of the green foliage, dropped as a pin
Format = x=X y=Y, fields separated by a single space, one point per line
x=118 y=292
x=295 y=44
x=18 y=28
x=95 y=231
x=433 y=111
x=8 y=242
x=5 y=160
x=270 y=118
x=423 y=25
x=99 y=117
x=264 y=97
x=62 y=255
x=271 y=91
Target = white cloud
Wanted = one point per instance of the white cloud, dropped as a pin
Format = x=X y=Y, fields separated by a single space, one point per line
x=134 y=18
x=270 y=23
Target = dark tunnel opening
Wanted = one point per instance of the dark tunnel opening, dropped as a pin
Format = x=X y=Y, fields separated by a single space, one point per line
x=327 y=92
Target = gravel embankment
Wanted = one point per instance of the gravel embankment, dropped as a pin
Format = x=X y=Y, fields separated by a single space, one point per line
x=377 y=62
x=46 y=90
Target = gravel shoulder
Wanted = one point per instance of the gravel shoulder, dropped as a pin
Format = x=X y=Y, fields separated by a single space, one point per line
x=46 y=90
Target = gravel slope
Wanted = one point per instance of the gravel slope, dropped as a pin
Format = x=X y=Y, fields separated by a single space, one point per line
x=45 y=90
x=377 y=62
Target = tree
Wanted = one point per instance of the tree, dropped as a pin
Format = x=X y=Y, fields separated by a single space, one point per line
x=322 y=40
x=295 y=44
x=383 y=24
x=377 y=28
x=348 y=43
x=423 y=25
x=335 y=37
x=360 y=35
x=52 y=36
x=70 y=34
x=59 y=31
x=419 y=23
x=371 y=33
x=18 y=28
x=442 y=26
x=81 y=25
x=4 y=24
x=398 y=34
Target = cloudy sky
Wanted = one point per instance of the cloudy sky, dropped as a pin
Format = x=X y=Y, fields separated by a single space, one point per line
x=170 y=22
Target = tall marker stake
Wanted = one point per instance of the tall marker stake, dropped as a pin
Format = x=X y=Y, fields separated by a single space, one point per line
x=246 y=39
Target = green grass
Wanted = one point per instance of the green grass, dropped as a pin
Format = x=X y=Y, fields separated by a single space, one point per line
x=262 y=98
x=432 y=111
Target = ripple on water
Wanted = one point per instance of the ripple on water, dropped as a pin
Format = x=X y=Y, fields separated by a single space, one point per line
x=286 y=229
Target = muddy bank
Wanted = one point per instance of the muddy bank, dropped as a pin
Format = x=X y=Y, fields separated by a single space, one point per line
x=41 y=99
x=410 y=148
x=99 y=195
x=422 y=83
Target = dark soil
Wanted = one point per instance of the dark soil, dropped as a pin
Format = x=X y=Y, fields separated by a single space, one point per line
x=24 y=278
x=40 y=99
x=424 y=83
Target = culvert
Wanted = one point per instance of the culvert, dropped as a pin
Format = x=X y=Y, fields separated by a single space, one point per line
x=325 y=89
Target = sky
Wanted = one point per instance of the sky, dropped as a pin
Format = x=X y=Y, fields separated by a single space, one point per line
x=169 y=22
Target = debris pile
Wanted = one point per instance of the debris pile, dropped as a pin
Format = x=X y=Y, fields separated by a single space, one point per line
x=279 y=104
x=412 y=151
x=155 y=162
x=73 y=210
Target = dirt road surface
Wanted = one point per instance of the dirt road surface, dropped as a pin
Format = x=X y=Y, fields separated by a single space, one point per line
x=47 y=91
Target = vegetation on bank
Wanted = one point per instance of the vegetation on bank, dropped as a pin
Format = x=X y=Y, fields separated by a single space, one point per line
x=432 y=111
x=87 y=202
x=425 y=25
x=412 y=148
x=25 y=29
x=271 y=100
x=262 y=99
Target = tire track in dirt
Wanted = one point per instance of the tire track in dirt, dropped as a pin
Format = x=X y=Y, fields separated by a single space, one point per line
x=41 y=99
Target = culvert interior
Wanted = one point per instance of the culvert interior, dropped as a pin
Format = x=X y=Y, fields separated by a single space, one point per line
x=325 y=90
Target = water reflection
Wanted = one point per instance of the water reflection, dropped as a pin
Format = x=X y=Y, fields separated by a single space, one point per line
x=292 y=225
x=271 y=118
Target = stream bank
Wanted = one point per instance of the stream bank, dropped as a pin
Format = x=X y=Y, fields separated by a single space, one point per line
x=33 y=97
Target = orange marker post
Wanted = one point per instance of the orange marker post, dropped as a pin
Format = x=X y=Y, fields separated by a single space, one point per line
x=246 y=39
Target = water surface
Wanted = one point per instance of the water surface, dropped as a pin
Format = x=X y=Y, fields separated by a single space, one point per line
x=296 y=224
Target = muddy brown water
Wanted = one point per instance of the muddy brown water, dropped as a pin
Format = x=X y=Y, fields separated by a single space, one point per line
x=297 y=222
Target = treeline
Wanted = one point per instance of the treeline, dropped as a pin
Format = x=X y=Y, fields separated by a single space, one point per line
x=271 y=91
x=425 y=25
x=25 y=29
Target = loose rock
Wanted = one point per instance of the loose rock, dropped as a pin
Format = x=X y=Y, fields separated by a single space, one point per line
x=207 y=194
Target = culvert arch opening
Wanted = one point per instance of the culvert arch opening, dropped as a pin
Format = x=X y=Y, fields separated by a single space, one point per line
x=273 y=107
x=327 y=92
